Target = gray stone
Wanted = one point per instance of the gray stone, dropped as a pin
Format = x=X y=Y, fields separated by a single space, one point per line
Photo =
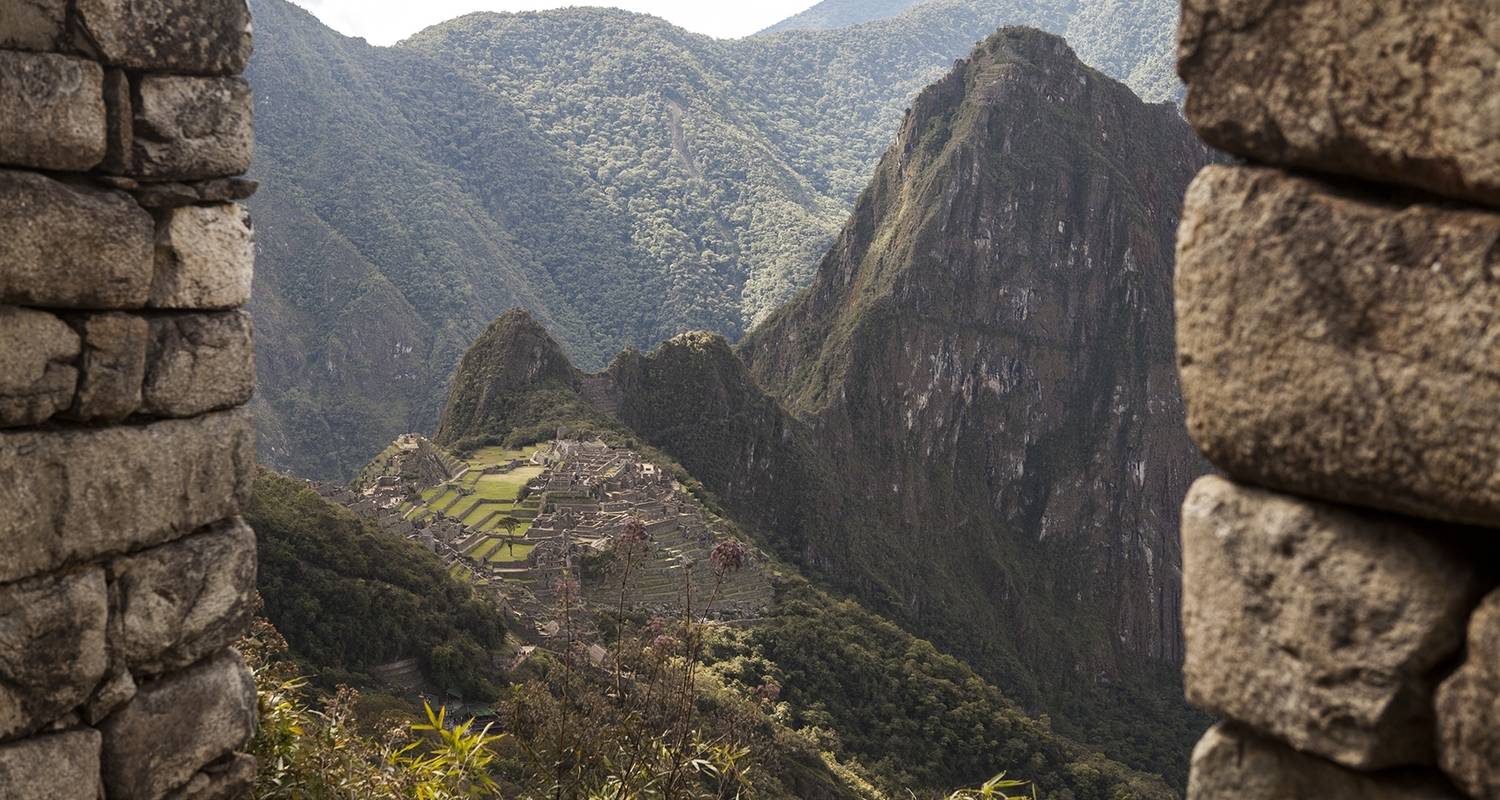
x=53 y=630
x=171 y=194
x=51 y=111
x=115 y=691
x=1319 y=625
x=58 y=766
x=72 y=495
x=37 y=376
x=1468 y=707
x=33 y=24
x=199 y=362
x=229 y=778
x=1342 y=345
x=71 y=246
x=1406 y=92
x=198 y=36
x=191 y=128
x=114 y=366
x=176 y=726
x=1233 y=763
x=120 y=122
x=205 y=257
x=182 y=601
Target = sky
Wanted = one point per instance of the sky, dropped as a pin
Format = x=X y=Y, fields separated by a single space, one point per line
x=386 y=22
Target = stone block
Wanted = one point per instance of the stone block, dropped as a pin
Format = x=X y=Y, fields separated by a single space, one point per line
x=33 y=24
x=120 y=122
x=53 y=629
x=113 y=692
x=1405 y=92
x=1233 y=763
x=229 y=778
x=1340 y=344
x=1468 y=709
x=199 y=362
x=171 y=194
x=1319 y=625
x=37 y=376
x=51 y=111
x=72 y=495
x=113 y=366
x=190 y=128
x=58 y=766
x=185 y=600
x=197 y=36
x=205 y=257
x=178 y=725
x=71 y=246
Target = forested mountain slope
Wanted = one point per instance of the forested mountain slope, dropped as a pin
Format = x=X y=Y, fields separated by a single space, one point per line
x=621 y=178
x=971 y=419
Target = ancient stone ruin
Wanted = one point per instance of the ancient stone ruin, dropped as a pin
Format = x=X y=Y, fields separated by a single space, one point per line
x=125 y=360
x=1337 y=306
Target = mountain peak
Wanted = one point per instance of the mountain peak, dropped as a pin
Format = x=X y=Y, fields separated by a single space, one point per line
x=514 y=356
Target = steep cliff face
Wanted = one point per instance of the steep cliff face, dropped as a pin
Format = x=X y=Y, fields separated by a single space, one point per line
x=992 y=336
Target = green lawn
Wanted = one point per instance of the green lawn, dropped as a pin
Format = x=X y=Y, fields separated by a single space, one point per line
x=509 y=554
x=483 y=549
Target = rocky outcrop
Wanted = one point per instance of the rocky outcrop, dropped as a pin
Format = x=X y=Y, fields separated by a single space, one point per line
x=125 y=450
x=1335 y=344
x=515 y=354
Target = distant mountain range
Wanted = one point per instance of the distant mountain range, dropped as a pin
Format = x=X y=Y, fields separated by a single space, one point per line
x=971 y=419
x=619 y=177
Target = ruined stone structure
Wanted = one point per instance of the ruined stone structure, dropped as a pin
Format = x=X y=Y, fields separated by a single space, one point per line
x=125 y=360
x=1337 y=301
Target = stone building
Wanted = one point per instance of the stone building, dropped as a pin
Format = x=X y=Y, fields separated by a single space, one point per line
x=125 y=363
x=1337 y=301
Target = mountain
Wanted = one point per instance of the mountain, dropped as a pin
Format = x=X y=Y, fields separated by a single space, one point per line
x=971 y=419
x=621 y=178
x=1134 y=40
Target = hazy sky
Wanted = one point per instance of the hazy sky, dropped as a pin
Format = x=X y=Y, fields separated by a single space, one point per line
x=388 y=21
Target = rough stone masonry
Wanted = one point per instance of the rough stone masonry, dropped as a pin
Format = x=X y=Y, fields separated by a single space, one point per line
x=125 y=364
x=1338 y=324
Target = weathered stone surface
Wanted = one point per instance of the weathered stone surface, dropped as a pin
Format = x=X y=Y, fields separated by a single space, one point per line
x=51 y=111
x=37 y=376
x=1395 y=91
x=53 y=630
x=71 y=495
x=114 y=365
x=229 y=778
x=205 y=257
x=191 y=128
x=199 y=36
x=1468 y=709
x=171 y=194
x=1336 y=345
x=1233 y=763
x=113 y=692
x=33 y=24
x=58 y=766
x=176 y=726
x=199 y=362
x=182 y=601
x=120 y=122
x=71 y=246
x=1319 y=625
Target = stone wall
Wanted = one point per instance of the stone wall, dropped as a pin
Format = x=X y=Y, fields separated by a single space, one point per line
x=125 y=363
x=1337 y=302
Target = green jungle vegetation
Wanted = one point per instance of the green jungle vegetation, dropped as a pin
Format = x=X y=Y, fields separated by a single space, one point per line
x=621 y=178
x=349 y=597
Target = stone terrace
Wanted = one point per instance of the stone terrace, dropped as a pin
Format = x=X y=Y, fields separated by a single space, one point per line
x=125 y=363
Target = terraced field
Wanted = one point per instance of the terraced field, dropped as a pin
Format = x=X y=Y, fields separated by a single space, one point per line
x=484 y=500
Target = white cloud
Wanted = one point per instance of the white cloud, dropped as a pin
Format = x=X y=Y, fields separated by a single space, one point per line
x=388 y=21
